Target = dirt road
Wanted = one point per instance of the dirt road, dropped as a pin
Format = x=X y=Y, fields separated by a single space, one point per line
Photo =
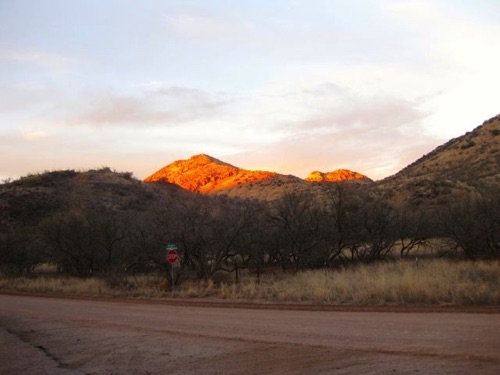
x=67 y=336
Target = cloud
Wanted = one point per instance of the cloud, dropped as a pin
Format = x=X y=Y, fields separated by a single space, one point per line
x=367 y=117
x=376 y=152
x=25 y=96
x=205 y=28
x=187 y=97
x=156 y=105
x=43 y=58
x=34 y=135
x=116 y=110
x=306 y=119
x=328 y=126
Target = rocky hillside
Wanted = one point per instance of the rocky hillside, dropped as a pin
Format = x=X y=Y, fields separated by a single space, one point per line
x=205 y=174
x=458 y=167
x=338 y=176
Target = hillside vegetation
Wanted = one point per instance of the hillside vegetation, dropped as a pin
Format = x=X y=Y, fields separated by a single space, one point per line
x=461 y=166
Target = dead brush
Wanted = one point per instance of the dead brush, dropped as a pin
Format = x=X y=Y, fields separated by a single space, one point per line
x=402 y=282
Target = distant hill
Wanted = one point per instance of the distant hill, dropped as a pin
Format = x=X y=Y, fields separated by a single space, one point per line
x=458 y=167
x=339 y=175
x=205 y=174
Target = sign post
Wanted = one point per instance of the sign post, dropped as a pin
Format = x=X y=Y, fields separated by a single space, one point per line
x=172 y=258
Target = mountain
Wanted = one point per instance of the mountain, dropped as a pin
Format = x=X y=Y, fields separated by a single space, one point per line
x=205 y=174
x=338 y=175
x=454 y=169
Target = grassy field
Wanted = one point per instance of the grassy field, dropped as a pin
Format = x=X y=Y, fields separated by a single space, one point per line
x=428 y=282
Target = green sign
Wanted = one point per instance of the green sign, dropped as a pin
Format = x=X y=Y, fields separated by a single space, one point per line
x=171 y=246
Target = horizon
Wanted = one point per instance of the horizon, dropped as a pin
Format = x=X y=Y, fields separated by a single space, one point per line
x=287 y=87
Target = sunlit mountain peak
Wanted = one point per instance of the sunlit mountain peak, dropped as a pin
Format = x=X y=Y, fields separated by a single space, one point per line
x=203 y=173
x=337 y=176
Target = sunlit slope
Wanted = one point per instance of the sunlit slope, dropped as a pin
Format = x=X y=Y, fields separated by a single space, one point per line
x=462 y=165
x=205 y=174
x=338 y=175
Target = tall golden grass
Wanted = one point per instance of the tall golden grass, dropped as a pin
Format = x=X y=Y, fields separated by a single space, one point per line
x=428 y=282
x=143 y=286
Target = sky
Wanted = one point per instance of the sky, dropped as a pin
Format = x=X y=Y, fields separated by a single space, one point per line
x=290 y=86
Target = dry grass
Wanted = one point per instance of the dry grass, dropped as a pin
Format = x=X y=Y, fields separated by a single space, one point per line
x=402 y=282
x=145 y=286
x=430 y=282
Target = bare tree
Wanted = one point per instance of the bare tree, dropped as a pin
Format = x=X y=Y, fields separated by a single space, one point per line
x=342 y=231
x=299 y=229
x=412 y=229
x=70 y=242
x=474 y=224
x=19 y=250
x=376 y=230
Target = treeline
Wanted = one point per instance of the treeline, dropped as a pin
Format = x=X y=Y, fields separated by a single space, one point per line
x=215 y=233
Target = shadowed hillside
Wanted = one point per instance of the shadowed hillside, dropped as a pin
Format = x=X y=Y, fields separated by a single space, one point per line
x=36 y=196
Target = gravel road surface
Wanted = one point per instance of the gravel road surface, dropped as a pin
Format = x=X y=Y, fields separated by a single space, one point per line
x=40 y=335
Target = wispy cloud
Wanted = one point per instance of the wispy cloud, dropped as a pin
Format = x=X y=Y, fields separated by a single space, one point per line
x=43 y=58
x=377 y=115
x=190 y=98
x=26 y=96
x=119 y=110
x=155 y=105
x=327 y=126
x=34 y=135
x=210 y=28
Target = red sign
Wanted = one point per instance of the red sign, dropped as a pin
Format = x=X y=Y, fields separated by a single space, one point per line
x=172 y=256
